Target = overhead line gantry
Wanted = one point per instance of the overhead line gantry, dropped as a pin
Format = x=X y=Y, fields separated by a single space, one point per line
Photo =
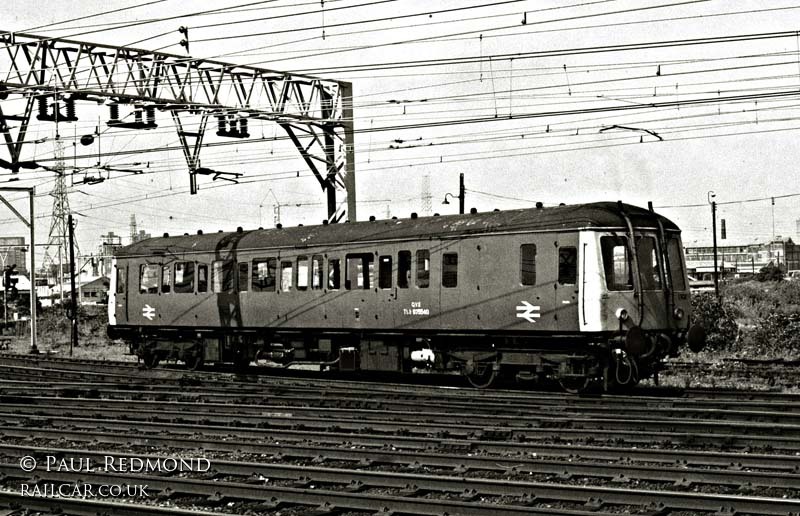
x=317 y=114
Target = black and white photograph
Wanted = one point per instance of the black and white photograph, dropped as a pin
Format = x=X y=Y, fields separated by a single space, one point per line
x=400 y=257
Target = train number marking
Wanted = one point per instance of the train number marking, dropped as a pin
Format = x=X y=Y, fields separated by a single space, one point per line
x=528 y=312
x=416 y=309
x=149 y=312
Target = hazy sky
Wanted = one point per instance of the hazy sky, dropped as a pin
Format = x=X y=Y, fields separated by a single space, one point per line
x=588 y=122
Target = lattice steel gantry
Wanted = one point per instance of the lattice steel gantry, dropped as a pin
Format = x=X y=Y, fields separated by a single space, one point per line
x=317 y=114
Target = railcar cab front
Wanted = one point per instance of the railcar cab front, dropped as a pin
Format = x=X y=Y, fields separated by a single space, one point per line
x=635 y=293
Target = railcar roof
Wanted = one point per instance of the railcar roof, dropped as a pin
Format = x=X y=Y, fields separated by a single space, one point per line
x=594 y=215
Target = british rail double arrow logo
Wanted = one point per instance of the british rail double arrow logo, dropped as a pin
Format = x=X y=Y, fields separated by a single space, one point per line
x=528 y=312
x=149 y=312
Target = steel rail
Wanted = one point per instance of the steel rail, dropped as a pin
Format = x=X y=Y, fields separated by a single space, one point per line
x=86 y=507
x=278 y=496
x=531 y=492
x=286 y=421
x=284 y=416
x=206 y=377
x=620 y=472
x=437 y=452
x=403 y=430
x=253 y=394
x=630 y=404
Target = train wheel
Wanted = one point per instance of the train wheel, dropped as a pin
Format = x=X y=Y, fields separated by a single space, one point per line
x=575 y=385
x=151 y=360
x=194 y=362
x=241 y=362
x=480 y=375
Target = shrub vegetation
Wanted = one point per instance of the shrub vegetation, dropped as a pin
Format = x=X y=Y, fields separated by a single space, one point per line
x=752 y=318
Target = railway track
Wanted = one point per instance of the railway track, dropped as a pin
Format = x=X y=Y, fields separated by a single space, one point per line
x=84 y=371
x=351 y=489
x=770 y=372
x=782 y=430
x=353 y=447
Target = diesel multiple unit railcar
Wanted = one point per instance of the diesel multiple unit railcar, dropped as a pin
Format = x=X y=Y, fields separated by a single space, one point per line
x=581 y=294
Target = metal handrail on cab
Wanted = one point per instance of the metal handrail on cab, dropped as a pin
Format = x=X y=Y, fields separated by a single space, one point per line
x=637 y=287
x=669 y=292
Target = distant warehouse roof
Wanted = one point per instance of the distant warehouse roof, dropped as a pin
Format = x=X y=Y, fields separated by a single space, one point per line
x=595 y=215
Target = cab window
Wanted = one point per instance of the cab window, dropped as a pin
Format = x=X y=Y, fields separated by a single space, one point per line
x=675 y=265
x=616 y=262
x=649 y=269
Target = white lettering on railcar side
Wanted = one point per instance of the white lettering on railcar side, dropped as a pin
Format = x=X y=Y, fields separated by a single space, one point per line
x=416 y=309
x=528 y=312
x=149 y=312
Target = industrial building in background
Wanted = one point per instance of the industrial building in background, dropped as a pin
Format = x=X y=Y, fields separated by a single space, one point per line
x=744 y=259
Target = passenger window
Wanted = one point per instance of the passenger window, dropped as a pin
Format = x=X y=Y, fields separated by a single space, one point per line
x=450 y=270
x=302 y=272
x=358 y=273
x=527 y=264
x=317 y=276
x=244 y=276
x=166 y=280
x=567 y=265
x=616 y=262
x=334 y=274
x=184 y=277
x=385 y=272
x=122 y=276
x=675 y=265
x=264 y=274
x=423 y=268
x=148 y=278
x=403 y=269
x=649 y=270
x=221 y=276
x=202 y=278
x=286 y=276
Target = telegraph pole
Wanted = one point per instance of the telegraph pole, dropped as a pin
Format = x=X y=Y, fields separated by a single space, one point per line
x=461 y=191
x=73 y=341
x=711 y=195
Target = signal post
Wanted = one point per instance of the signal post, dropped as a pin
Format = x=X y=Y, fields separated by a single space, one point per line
x=32 y=269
